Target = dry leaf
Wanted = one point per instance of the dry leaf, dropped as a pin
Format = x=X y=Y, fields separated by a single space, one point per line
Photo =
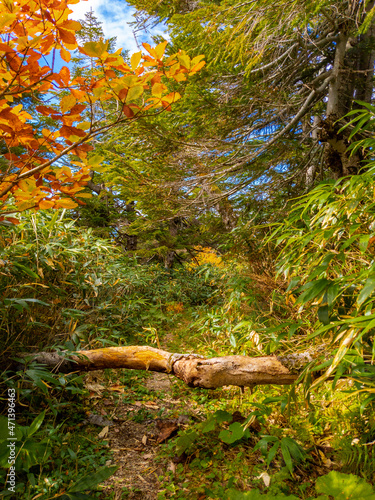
x=103 y=433
x=117 y=388
x=93 y=387
x=266 y=479
x=172 y=467
x=166 y=429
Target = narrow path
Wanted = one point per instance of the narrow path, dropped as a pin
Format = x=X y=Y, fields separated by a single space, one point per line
x=135 y=435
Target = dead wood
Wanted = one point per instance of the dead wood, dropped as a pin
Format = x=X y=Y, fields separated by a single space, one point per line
x=193 y=369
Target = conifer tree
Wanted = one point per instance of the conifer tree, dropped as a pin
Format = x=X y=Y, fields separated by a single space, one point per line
x=266 y=115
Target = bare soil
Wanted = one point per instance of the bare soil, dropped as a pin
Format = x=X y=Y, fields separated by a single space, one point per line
x=134 y=431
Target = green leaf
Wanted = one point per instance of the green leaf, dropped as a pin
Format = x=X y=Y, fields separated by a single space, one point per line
x=254 y=494
x=185 y=441
x=95 y=163
x=232 y=340
x=37 y=422
x=4 y=432
x=23 y=303
x=286 y=455
x=27 y=270
x=363 y=242
x=296 y=451
x=90 y=481
x=332 y=293
x=312 y=290
x=344 y=487
x=18 y=304
x=134 y=93
x=293 y=283
x=323 y=314
x=272 y=452
x=209 y=425
x=235 y=433
x=366 y=290
x=262 y=445
x=222 y=416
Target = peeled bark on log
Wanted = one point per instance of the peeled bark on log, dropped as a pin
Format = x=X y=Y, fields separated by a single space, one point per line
x=194 y=370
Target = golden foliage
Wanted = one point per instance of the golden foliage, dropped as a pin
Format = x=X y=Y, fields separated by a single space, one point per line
x=206 y=255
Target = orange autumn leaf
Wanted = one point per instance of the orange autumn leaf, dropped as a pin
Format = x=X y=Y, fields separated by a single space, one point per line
x=65 y=55
x=65 y=203
x=13 y=220
x=29 y=34
x=67 y=36
x=46 y=204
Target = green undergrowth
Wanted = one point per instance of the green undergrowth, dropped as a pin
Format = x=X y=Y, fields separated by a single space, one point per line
x=62 y=282
x=269 y=441
x=57 y=453
x=65 y=289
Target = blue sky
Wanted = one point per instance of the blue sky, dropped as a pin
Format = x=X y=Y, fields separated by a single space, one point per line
x=115 y=16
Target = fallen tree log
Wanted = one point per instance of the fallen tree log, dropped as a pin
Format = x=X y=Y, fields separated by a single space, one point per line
x=193 y=369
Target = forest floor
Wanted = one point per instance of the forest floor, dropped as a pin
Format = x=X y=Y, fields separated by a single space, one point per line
x=138 y=413
x=134 y=436
x=167 y=442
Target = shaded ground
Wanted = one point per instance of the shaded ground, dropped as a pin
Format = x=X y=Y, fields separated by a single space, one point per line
x=135 y=430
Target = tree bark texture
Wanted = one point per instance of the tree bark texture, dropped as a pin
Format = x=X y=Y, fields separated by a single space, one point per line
x=353 y=72
x=193 y=369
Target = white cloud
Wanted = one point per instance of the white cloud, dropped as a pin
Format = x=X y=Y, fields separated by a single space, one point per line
x=116 y=16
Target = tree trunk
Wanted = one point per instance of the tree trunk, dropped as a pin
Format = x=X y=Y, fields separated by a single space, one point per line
x=129 y=242
x=131 y=239
x=227 y=214
x=194 y=370
x=352 y=72
x=175 y=225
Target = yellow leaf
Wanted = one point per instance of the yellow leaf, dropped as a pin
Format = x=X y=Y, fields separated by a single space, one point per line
x=17 y=109
x=128 y=81
x=134 y=93
x=149 y=49
x=158 y=89
x=44 y=204
x=62 y=172
x=197 y=59
x=7 y=18
x=184 y=60
x=65 y=55
x=170 y=60
x=148 y=76
x=67 y=102
x=24 y=205
x=65 y=203
x=84 y=195
x=160 y=49
x=95 y=160
x=84 y=125
x=135 y=60
x=179 y=77
x=72 y=25
x=27 y=185
x=197 y=67
x=93 y=49
x=172 y=97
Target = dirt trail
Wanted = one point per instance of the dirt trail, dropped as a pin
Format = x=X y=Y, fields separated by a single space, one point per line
x=137 y=428
x=134 y=431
